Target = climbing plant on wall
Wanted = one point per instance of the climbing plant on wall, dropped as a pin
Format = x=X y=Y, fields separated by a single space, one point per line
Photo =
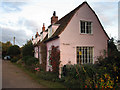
x=43 y=55
x=55 y=59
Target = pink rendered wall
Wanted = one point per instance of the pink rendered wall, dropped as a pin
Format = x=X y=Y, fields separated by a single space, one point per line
x=54 y=27
x=37 y=53
x=49 y=44
x=36 y=40
x=71 y=37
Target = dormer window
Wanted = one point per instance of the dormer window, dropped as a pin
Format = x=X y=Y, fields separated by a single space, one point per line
x=85 y=27
x=41 y=36
x=52 y=29
x=50 y=32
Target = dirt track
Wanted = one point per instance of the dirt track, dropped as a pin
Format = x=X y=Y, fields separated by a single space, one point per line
x=14 y=77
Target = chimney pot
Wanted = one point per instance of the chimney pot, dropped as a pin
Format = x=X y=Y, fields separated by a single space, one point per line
x=54 y=18
x=36 y=35
x=43 y=28
x=32 y=37
x=54 y=13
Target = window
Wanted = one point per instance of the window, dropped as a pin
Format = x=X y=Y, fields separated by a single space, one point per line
x=84 y=55
x=41 y=36
x=85 y=27
x=50 y=32
x=49 y=53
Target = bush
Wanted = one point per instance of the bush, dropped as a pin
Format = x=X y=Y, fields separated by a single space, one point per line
x=20 y=62
x=111 y=65
x=31 y=60
x=30 y=68
x=76 y=76
x=13 y=50
x=73 y=83
x=48 y=76
x=14 y=59
x=76 y=70
x=25 y=58
x=28 y=49
x=30 y=63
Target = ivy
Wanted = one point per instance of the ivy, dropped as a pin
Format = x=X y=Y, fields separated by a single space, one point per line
x=55 y=59
x=43 y=55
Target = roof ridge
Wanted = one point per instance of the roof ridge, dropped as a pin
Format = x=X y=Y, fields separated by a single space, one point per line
x=72 y=11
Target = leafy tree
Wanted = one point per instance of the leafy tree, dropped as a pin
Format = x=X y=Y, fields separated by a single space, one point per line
x=28 y=49
x=5 y=47
x=13 y=50
x=112 y=49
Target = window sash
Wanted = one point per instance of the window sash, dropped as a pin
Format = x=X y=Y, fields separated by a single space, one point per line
x=49 y=55
x=86 y=56
x=86 y=27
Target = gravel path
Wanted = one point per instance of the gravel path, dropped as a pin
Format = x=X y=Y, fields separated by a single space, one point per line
x=14 y=77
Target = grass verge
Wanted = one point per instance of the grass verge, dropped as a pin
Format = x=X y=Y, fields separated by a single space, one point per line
x=45 y=83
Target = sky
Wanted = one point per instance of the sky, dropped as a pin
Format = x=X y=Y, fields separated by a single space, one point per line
x=22 y=19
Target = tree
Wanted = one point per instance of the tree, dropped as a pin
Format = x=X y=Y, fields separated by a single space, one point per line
x=111 y=64
x=28 y=49
x=112 y=49
x=5 y=47
x=111 y=45
x=13 y=50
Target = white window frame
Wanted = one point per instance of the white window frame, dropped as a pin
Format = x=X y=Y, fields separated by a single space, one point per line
x=41 y=36
x=90 y=55
x=50 y=32
x=85 y=26
x=49 y=54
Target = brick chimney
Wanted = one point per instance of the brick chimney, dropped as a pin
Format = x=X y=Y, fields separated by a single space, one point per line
x=54 y=18
x=43 y=28
x=36 y=35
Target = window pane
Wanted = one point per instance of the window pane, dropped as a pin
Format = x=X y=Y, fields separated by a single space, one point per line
x=89 y=54
x=82 y=27
x=77 y=57
x=89 y=23
x=84 y=55
x=85 y=27
x=88 y=27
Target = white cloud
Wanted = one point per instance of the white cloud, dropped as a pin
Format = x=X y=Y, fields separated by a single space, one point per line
x=107 y=12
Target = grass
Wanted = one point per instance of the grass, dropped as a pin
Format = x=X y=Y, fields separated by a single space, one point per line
x=45 y=83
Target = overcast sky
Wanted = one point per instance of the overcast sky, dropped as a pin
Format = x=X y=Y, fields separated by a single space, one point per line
x=23 y=19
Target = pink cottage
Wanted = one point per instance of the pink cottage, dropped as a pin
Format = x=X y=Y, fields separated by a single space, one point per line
x=79 y=34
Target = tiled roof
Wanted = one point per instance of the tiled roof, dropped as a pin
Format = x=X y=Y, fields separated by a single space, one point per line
x=43 y=39
x=39 y=42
